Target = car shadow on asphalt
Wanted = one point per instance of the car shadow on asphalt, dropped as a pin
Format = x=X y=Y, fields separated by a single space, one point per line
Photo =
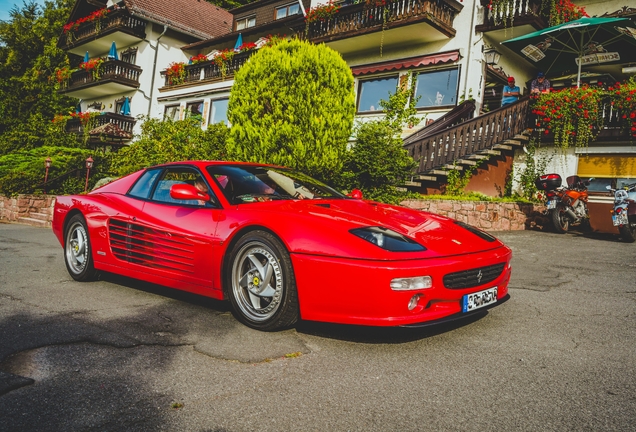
x=344 y=332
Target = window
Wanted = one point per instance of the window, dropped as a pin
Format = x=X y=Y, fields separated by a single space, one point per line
x=172 y=112
x=194 y=110
x=287 y=10
x=180 y=175
x=129 y=56
x=218 y=113
x=246 y=22
x=144 y=184
x=370 y=92
x=437 y=88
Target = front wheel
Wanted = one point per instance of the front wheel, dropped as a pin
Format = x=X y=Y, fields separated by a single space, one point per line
x=628 y=232
x=77 y=250
x=260 y=284
x=560 y=221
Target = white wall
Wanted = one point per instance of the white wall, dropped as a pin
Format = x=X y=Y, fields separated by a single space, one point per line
x=562 y=162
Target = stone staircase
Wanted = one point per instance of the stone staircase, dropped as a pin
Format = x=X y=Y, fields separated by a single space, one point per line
x=467 y=143
x=35 y=210
x=36 y=219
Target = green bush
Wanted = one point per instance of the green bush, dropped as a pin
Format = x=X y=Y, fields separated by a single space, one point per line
x=164 y=141
x=23 y=171
x=293 y=104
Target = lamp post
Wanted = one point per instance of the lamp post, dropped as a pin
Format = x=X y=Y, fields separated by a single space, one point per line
x=89 y=165
x=47 y=165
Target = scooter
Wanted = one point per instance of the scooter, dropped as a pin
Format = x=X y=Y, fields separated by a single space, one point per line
x=624 y=212
x=566 y=206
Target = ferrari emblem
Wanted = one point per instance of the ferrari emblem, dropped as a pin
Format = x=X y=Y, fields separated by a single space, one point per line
x=256 y=281
x=479 y=276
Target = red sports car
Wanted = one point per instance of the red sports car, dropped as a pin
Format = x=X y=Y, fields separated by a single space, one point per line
x=281 y=246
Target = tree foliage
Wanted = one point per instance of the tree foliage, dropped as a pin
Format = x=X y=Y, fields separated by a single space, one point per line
x=164 y=141
x=28 y=59
x=377 y=163
x=230 y=4
x=293 y=104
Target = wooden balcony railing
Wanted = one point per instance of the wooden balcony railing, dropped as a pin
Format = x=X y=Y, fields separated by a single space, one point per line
x=362 y=19
x=518 y=13
x=467 y=138
x=111 y=70
x=126 y=123
x=118 y=20
x=210 y=71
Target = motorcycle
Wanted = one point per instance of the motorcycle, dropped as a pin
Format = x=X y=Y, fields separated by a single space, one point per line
x=624 y=211
x=566 y=206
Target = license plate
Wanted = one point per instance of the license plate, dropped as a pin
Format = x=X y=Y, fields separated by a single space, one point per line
x=552 y=204
x=479 y=299
x=620 y=219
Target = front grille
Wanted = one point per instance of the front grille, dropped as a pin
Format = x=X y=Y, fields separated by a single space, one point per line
x=474 y=277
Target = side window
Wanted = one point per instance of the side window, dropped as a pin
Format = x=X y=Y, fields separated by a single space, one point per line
x=180 y=175
x=194 y=110
x=287 y=10
x=371 y=91
x=246 y=22
x=172 y=112
x=144 y=184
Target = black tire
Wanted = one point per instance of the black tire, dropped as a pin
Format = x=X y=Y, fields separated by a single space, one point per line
x=260 y=283
x=628 y=232
x=560 y=221
x=78 y=255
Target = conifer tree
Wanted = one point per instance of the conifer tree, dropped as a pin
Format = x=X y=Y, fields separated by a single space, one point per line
x=293 y=104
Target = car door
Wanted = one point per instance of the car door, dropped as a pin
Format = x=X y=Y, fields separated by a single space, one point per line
x=170 y=238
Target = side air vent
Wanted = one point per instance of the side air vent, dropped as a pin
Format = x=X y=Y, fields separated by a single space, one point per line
x=150 y=247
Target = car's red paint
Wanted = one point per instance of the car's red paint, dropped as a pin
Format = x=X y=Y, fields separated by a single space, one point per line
x=340 y=277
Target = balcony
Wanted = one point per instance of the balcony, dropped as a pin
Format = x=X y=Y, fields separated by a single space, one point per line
x=109 y=128
x=400 y=22
x=113 y=76
x=523 y=17
x=209 y=71
x=97 y=36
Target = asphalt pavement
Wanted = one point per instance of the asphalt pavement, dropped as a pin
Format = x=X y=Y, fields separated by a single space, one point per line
x=118 y=354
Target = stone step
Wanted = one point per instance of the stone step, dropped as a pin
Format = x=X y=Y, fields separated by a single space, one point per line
x=454 y=167
x=490 y=152
x=467 y=162
x=412 y=183
x=479 y=157
x=502 y=147
x=425 y=177
x=512 y=142
x=522 y=137
x=40 y=216
x=438 y=172
x=33 y=222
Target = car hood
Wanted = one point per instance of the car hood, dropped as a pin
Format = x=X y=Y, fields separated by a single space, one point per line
x=440 y=235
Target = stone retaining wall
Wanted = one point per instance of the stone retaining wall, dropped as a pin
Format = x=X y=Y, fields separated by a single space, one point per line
x=489 y=216
x=21 y=207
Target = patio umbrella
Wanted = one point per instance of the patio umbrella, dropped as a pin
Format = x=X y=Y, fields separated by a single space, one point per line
x=582 y=42
x=112 y=54
x=239 y=42
x=86 y=57
x=125 y=107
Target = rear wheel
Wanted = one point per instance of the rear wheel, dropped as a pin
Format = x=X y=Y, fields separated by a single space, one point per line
x=628 y=232
x=77 y=250
x=260 y=284
x=560 y=221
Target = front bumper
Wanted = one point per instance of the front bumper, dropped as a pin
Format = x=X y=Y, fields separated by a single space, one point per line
x=347 y=291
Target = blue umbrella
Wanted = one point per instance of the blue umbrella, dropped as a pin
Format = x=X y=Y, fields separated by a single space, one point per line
x=112 y=54
x=239 y=42
x=125 y=107
x=86 y=57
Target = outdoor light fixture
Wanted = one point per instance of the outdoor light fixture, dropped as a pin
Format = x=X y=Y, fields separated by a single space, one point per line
x=629 y=70
x=491 y=56
x=47 y=165
x=89 y=165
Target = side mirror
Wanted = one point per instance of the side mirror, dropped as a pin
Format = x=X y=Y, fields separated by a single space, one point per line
x=355 y=194
x=187 y=192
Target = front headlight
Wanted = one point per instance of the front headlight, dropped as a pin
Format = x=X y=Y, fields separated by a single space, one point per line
x=388 y=239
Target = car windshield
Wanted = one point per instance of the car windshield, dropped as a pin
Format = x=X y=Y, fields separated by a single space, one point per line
x=247 y=184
